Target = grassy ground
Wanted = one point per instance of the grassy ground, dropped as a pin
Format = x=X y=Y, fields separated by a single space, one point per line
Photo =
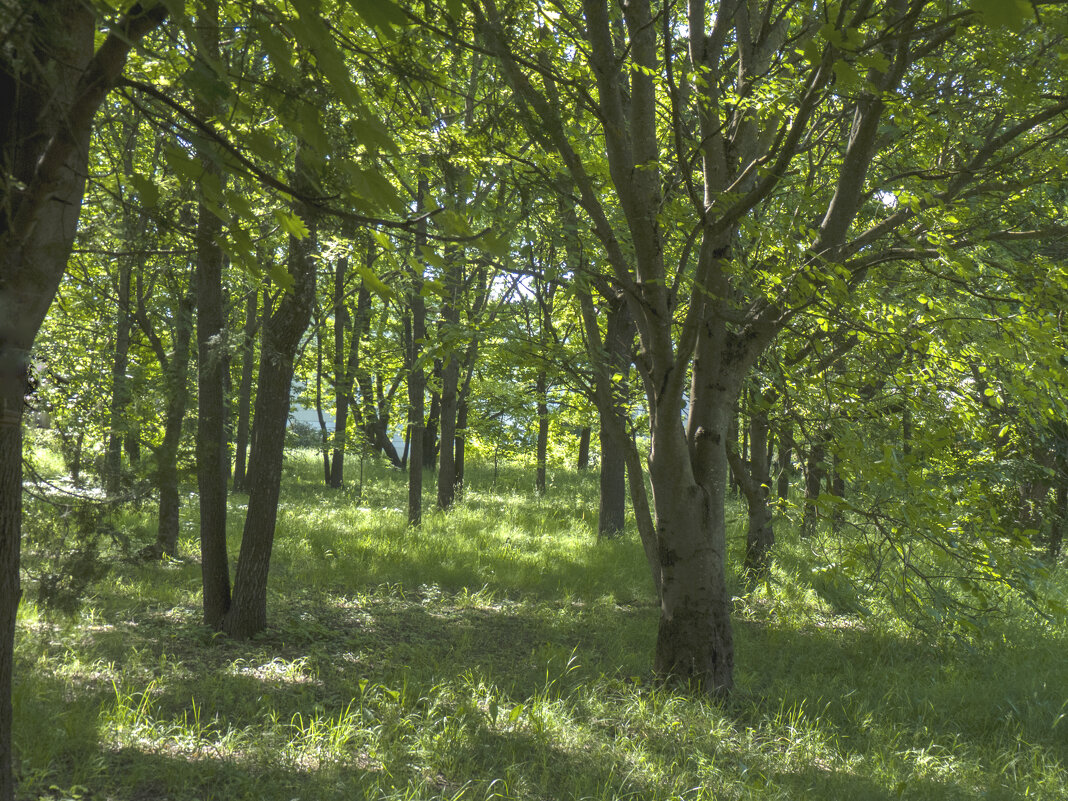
x=501 y=652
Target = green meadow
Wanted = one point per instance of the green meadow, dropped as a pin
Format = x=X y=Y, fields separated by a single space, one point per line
x=501 y=652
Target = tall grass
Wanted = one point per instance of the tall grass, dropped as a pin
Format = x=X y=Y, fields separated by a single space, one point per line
x=502 y=652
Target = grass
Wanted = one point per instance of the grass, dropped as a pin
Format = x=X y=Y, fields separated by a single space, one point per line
x=502 y=653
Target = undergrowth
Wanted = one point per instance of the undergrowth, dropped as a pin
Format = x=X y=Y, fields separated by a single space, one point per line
x=501 y=652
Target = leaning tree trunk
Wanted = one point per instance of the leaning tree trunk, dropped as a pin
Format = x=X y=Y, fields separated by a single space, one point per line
x=282 y=333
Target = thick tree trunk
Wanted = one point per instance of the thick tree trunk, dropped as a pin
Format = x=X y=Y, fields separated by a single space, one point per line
x=244 y=392
x=213 y=459
x=12 y=389
x=282 y=333
x=611 y=519
x=583 y=461
x=694 y=638
x=51 y=85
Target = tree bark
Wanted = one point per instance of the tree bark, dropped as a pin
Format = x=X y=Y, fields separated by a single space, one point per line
x=174 y=364
x=583 y=461
x=450 y=383
x=754 y=479
x=51 y=85
x=416 y=376
x=213 y=459
x=244 y=392
x=282 y=334
x=786 y=456
x=120 y=392
x=542 y=446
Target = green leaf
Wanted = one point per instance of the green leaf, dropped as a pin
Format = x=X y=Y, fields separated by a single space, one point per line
x=291 y=224
x=1003 y=13
x=846 y=74
x=382 y=14
x=146 y=190
x=182 y=163
x=374 y=283
x=372 y=186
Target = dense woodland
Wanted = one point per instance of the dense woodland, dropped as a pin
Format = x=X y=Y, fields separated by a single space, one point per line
x=758 y=274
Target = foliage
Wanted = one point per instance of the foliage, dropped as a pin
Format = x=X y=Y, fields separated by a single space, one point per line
x=497 y=654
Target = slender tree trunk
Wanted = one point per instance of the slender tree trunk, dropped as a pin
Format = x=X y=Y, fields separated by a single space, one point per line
x=120 y=392
x=282 y=334
x=244 y=392
x=416 y=378
x=450 y=379
x=460 y=441
x=542 y=447
x=324 y=437
x=786 y=456
x=176 y=367
x=613 y=485
x=815 y=470
x=430 y=431
x=213 y=460
x=583 y=461
x=345 y=371
x=754 y=480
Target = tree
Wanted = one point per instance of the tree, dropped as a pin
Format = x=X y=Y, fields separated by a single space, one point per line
x=52 y=80
x=747 y=88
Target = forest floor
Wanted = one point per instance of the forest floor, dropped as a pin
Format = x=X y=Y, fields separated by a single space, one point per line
x=501 y=652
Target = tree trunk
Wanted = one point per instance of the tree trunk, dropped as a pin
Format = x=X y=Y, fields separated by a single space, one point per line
x=430 y=429
x=213 y=460
x=694 y=637
x=754 y=480
x=244 y=392
x=612 y=500
x=416 y=376
x=542 y=447
x=120 y=391
x=583 y=461
x=51 y=85
x=282 y=334
x=460 y=441
x=324 y=437
x=786 y=456
x=176 y=368
x=450 y=379
x=815 y=469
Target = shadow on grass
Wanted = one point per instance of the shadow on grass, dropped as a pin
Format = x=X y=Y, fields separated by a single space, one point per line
x=416 y=661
